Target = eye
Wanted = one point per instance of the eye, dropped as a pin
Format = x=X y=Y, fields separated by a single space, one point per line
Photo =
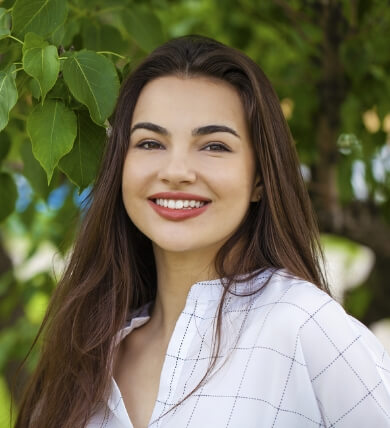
x=217 y=147
x=150 y=145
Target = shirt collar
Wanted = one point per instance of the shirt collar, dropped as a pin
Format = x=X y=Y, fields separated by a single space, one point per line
x=202 y=291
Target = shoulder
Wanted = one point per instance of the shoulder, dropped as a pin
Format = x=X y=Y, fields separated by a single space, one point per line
x=288 y=298
x=297 y=293
x=297 y=308
x=346 y=366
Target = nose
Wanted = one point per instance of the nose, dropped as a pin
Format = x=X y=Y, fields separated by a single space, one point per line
x=176 y=168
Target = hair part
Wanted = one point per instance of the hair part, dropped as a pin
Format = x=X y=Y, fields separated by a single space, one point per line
x=112 y=272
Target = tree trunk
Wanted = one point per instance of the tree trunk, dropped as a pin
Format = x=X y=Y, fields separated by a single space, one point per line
x=359 y=221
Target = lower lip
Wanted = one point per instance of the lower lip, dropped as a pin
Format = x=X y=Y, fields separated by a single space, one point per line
x=181 y=214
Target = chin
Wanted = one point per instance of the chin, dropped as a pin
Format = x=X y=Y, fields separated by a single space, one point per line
x=177 y=247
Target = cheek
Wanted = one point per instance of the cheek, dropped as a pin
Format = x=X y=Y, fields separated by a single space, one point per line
x=234 y=181
x=135 y=175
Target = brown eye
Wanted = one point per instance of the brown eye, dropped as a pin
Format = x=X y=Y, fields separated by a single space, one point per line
x=217 y=147
x=150 y=145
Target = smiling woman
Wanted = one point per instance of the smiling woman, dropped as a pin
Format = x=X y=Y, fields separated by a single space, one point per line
x=195 y=295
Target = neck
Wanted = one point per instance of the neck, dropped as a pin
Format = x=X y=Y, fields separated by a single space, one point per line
x=176 y=273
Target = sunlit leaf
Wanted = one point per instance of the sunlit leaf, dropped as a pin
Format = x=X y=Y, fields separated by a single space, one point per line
x=93 y=81
x=52 y=129
x=40 y=60
x=5 y=23
x=8 y=94
x=36 y=307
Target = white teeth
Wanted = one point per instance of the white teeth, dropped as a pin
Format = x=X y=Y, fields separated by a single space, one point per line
x=179 y=204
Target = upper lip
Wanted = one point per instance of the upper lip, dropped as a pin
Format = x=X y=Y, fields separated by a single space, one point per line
x=179 y=196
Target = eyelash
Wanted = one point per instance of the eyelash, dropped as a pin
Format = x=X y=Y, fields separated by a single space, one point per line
x=143 y=143
x=221 y=147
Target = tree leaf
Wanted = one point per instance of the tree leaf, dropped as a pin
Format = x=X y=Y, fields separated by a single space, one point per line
x=92 y=80
x=100 y=37
x=34 y=172
x=81 y=163
x=144 y=27
x=35 y=89
x=38 y=16
x=57 y=35
x=8 y=195
x=5 y=23
x=60 y=91
x=52 y=129
x=41 y=62
x=71 y=29
x=8 y=94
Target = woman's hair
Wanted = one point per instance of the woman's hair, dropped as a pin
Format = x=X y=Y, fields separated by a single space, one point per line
x=112 y=271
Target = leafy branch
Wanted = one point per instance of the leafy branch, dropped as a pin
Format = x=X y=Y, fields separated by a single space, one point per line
x=64 y=94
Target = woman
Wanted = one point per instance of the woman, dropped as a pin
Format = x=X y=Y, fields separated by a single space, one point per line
x=194 y=296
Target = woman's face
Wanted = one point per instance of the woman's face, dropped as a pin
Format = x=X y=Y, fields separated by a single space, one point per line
x=189 y=173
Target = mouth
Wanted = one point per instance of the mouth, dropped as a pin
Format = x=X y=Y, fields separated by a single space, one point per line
x=179 y=204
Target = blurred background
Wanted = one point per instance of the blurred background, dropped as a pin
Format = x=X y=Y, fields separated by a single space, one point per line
x=328 y=62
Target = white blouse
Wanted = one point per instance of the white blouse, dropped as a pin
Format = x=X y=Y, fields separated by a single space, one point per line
x=295 y=360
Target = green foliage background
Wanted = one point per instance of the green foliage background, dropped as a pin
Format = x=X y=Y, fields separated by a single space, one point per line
x=61 y=64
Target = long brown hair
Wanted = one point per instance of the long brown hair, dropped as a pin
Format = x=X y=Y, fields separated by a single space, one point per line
x=112 y=272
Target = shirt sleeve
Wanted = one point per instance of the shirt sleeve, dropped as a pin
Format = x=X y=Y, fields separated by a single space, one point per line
x=348 y=367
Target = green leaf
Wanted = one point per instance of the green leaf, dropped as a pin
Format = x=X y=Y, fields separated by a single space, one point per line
x=5 y=145
x=38 y=16
x=92 y=80
x=8 y=94
x=41 y=62
x=100 y=37
x=5 y=23
x=71 y=29
x=52 y=129
x=8 y=195
x=60 y=91
x=36 y=307
x=81 y=163
x=57 y=35
x=33 y=171
x=35 y=89
x=143 y=27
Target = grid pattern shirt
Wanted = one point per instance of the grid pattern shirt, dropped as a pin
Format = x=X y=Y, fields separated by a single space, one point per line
x=290 y=357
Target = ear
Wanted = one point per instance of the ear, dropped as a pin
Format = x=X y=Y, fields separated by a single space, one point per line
x=257 y=190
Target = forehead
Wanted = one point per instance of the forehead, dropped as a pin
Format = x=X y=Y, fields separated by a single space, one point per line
x=188 y=102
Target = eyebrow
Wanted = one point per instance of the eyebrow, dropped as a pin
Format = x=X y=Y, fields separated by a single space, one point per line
x=202 y=130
